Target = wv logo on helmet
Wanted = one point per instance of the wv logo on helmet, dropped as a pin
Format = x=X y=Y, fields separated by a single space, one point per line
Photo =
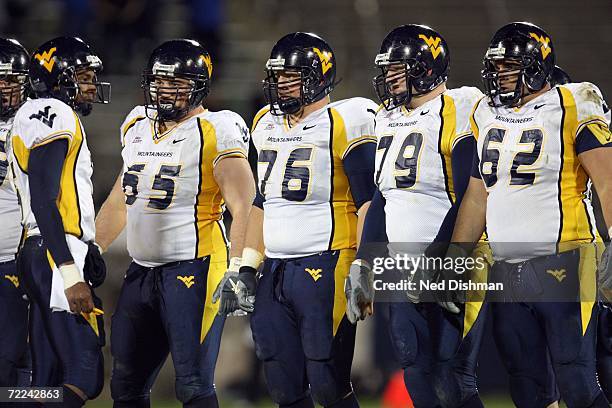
x=46 y=59
x=433 y=43
x=325 y=58
x=545 y=48
x=44 y=116
x=207 y=61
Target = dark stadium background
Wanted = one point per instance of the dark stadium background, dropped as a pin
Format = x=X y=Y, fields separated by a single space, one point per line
x=240 y=34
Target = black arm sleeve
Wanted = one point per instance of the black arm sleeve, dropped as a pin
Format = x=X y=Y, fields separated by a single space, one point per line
x=359 y=168
x=461 y=161
x=374 y=226
x=44 y=175
x=259 y=198
x=476 y=163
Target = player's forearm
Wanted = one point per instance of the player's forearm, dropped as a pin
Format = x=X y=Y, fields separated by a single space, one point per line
x=604 y=192
x=361 y=217
x=240 y=219
x=254 y=230
x=110 y=221
x=112 y=217
x=472 y=214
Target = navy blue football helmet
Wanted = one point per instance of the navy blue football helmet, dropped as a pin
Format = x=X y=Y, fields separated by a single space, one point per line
x=307 y=55
x=14 y=61
x=54 y=72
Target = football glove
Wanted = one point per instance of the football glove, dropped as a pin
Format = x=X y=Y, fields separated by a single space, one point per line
x=604 y=275
x=359 y=290
x=236 y=291
x=448 y=299
x=95 y=268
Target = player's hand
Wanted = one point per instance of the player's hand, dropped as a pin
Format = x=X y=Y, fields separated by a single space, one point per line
x=604 y=275
x=79 y=298
x=359 y=290
x=94 y=270
x=448 y=299
x=236 y=291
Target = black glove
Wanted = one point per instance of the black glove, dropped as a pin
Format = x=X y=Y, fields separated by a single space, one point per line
x=95 y=268
x=236 y=291
x=450 y=299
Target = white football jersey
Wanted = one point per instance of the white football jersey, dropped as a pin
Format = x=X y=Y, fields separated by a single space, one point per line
x=174 y=205
x=308 y=204
x=41 y=121
x=9 y=205
x=537 y=189
x=413 y=162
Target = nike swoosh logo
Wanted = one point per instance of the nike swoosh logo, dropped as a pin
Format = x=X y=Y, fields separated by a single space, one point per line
x=538 y=106
x=372 y=111
x=425 y=112
x=178 y=140
x=309 y=127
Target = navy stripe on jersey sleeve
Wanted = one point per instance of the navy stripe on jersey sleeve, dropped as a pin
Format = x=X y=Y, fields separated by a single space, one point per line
x=259 y=199
x=587 y=140
x=476 y=164
x=359 y=168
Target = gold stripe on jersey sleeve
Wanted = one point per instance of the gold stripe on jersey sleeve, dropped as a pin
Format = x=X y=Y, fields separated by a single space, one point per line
x=448 y=129
x=357 y=142
x=68 y=199
x=600 y=131
x=258 y=117
x=216 y=269
x=344 y=214
x=589 y=120
x=21 y=153
x=208 y=205
x=237 y=152
x=459 y=138
x=473 y=123
x=575 y=224
x=341 y=271
x=61 y=134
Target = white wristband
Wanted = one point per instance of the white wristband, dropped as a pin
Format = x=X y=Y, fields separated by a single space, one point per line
x=71 y=275
x=99 y=248
x=234 y=264
x=251 y=257
x=362 y=263
x=610 y=232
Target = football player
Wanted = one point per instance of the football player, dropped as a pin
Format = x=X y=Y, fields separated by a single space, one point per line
x=604 y=333
x=537 y=147
x=53 y=168
x=182 y=163
x=14 y=61
x=423 y=165
x=315 y=168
